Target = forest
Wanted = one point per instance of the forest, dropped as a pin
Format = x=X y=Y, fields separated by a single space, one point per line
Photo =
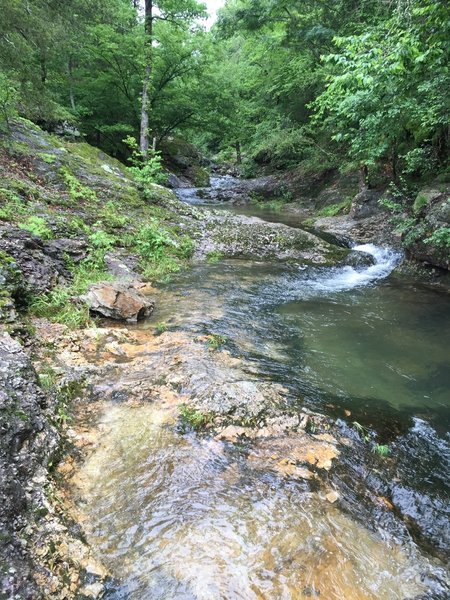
x=359 y=84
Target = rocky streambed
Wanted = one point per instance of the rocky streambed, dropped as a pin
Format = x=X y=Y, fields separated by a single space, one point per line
x=272 y=431
x=276 y=426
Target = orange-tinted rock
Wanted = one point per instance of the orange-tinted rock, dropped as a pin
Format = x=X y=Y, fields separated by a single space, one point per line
x=119 y=301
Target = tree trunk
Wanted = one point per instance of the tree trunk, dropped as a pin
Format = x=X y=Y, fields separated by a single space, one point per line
x=238 y=152
x=145 y=120
x=363 y=178
x=71 y=90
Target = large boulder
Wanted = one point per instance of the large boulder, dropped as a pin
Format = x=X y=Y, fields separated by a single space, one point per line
x=118 y=300
x=184 y=161
x=365 y=204
x=428 y=240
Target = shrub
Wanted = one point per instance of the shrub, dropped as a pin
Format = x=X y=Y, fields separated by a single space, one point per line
x=440 y=238
x=37 y=226
x=145 y=171
x=215 y=340
x=192 y=418
x=152 y=240
x=214 y=256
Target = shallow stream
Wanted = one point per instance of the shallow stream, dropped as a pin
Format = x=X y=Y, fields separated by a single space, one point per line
x=183 y=517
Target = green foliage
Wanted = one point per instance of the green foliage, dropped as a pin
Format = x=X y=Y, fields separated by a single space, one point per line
x=77 y=191
x=192 y=418
x=215 y=341
x=335 y=209
x=419 y=203
x=145 y=171
x=152 y=240
x=50 y=159
x=440 y=238
x=59 y=306
x=62 y=304
x=363 y=431
x=386 y=86
x=161 y=327
x=214 y=256
x=37 y=226
x=11 y=206
x=160 y=269
x=381 y=449
x=110 y=216
x=8 y=100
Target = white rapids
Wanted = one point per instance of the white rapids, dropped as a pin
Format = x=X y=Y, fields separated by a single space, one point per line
x=346 y=278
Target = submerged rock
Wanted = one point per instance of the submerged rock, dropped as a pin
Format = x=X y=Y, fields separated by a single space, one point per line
x=121 y=301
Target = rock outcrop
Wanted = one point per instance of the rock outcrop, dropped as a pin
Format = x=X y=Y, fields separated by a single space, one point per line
x=27 y=442
x=41 y=264
x=428 y=241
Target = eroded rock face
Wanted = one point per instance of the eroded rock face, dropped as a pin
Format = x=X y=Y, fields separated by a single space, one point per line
x=365 y=204
x=121 y=301
x=27 y=442
x=42 y=264
x=427 y=242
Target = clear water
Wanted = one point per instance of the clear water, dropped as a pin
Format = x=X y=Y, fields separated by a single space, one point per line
x=178 y=517
x=356 y=335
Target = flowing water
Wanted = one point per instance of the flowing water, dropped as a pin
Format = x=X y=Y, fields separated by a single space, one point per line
x=180 y=517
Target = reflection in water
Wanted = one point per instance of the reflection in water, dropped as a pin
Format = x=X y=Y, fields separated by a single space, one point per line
x=325 y=332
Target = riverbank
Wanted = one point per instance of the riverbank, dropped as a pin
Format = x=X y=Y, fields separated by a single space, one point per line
x=248 y=376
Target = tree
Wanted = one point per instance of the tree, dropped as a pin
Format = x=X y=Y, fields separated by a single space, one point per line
x=181 y=15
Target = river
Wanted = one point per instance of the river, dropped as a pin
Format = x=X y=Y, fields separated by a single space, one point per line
x=182 y=516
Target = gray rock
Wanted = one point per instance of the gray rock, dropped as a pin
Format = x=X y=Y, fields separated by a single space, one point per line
x=118 y=300
x=122 y=267
x=365 y=204
x=357 y=259
x=76 y=250
x=27 y=443
x=42 y=264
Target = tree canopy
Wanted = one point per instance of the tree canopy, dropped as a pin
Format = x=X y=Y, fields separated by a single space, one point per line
x=350 y=83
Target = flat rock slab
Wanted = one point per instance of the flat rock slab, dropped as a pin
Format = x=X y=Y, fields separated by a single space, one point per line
x=118 y=300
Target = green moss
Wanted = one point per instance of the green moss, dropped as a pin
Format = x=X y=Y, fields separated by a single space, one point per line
x=420 y=202
x=77 y=191
x=335 y=209
x=199 y=176
x=50 y=159
x=193 y=418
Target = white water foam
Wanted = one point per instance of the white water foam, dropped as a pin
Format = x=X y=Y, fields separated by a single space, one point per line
x=346 y=278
